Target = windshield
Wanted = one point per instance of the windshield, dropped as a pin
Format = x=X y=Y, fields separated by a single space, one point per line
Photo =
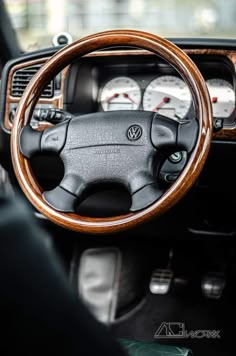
x=37 y=21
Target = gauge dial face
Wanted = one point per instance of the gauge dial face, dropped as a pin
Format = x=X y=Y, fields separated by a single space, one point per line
x=121 y=93
x=169 y=96
x=222 y=97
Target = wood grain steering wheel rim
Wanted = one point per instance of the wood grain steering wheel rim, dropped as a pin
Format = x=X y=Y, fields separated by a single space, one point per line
x=157 y=45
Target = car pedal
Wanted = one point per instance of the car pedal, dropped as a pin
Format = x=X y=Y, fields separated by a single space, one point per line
x=161 y=281
x=213 y=285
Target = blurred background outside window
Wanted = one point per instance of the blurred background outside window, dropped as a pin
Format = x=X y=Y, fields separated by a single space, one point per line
x=37 y=21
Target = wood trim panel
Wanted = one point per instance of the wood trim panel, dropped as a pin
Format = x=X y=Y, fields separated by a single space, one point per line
x=227 y=133
x=56 y=101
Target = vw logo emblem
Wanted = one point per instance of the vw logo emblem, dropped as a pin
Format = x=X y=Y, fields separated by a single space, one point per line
x=134 y=132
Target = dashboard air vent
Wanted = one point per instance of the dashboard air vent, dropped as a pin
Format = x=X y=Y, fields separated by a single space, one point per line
x=21 y=79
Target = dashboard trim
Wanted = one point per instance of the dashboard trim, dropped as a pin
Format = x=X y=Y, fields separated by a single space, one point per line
x=227 y=133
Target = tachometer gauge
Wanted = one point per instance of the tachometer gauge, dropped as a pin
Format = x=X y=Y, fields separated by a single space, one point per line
x=168 y=95
x=121 y=93
x=222 y=97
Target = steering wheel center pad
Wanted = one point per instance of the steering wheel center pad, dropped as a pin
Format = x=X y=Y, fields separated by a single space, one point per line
x=114 y=147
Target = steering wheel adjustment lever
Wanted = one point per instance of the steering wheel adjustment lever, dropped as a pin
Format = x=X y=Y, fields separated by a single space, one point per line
x=50 y=140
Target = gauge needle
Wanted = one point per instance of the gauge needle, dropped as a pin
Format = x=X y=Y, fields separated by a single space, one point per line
x=111 y=97
x=165 y=100
x=125 y=95
x=214 y=99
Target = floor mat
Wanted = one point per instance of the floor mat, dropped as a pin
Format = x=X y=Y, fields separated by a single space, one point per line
x=196 y=312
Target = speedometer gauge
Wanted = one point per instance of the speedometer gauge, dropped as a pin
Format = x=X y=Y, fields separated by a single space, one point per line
x=222 y=97
x=121 y=93
x=168 y=95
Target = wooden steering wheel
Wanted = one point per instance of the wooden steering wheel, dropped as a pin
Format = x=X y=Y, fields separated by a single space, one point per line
x=114 y=146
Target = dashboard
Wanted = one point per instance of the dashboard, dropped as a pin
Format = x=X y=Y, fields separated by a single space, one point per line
x=123 y=80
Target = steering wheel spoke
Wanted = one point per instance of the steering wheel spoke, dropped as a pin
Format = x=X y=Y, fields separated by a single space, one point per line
x=54 y=138
x=60 y=199
x=50 y=140
x=145 y=196
x=187 y=134
x=66 y=194
x=30 y=141
x=169 y=135
x=164 y=133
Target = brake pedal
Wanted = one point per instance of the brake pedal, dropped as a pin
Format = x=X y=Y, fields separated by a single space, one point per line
x=161 y=281
x=213 y=285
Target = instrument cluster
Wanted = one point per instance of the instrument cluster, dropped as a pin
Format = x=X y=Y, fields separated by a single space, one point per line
x=167 y=94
